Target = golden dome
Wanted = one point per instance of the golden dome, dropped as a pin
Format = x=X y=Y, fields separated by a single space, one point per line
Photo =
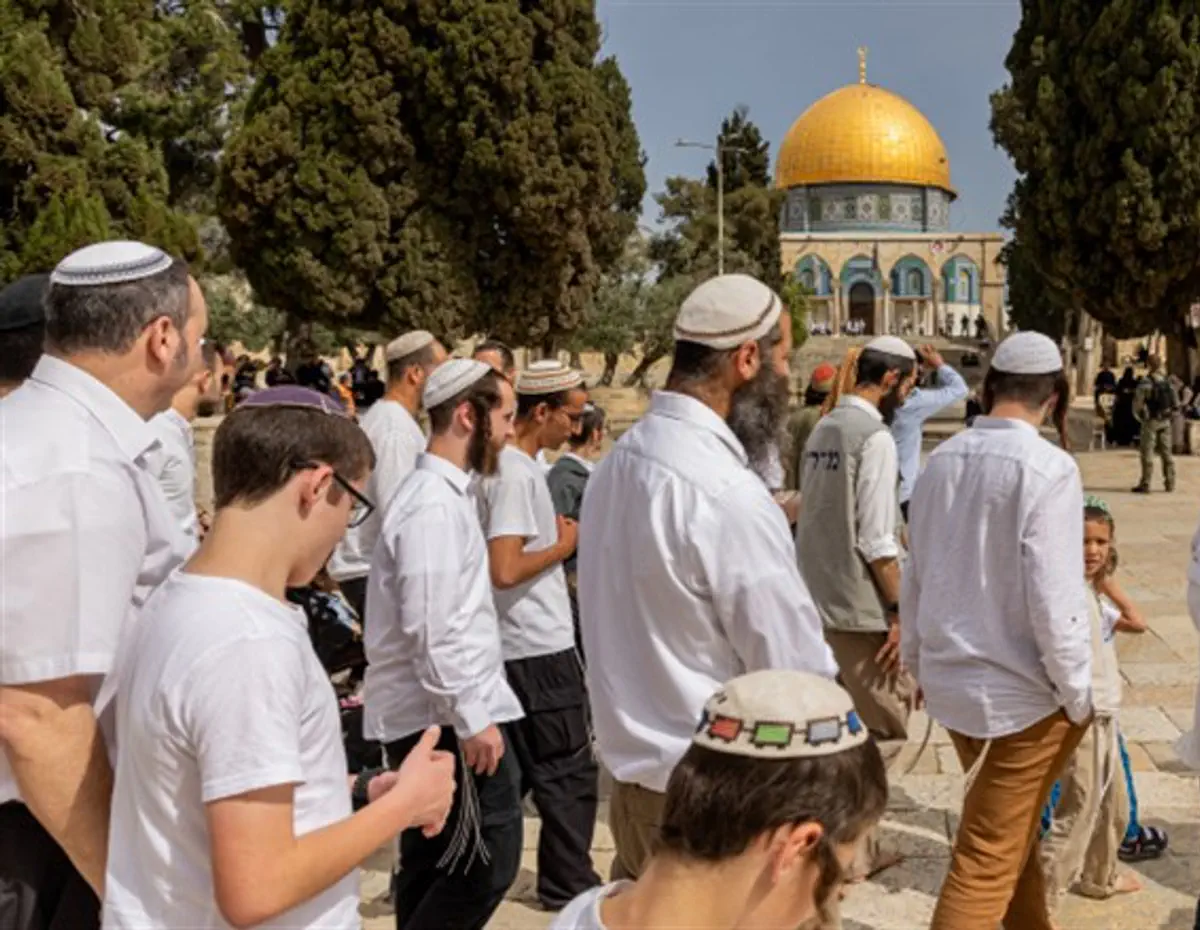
x=863 y=133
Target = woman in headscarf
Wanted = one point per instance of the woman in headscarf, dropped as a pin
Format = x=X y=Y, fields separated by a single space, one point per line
x=1125 y=424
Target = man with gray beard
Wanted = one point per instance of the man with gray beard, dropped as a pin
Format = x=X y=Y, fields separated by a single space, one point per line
x=687 y=575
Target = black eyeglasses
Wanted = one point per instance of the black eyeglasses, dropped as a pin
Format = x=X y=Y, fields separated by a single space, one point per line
x=361 y=509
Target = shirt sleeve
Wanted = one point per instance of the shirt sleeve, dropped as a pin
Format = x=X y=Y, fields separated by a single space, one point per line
x=566 y=491
x=69 y=563
x=1056 y=593
x=760 y=599
x=396 y=455
x=508 y=510
x=875 y=498
x=428 y=563
x=241 y=710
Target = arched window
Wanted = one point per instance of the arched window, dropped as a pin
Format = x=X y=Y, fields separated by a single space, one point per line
x=916 y=282
x=808 y=280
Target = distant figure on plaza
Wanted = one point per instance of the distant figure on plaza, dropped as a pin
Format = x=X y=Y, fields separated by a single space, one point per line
x=499 y=356
x=994 y=625
x=22 y=329
x=1154 y=404
x=685 y=560
x=945 y=387
x=1125 y=424
x=964 y=325
x=762 y=818
x=804 y=421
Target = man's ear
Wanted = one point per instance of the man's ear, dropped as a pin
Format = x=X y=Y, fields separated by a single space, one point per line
x=747 y=360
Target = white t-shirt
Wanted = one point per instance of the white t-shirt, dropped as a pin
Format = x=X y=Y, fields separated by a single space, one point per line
x=173 y=464
x=535 y=617
x=219 y=693
x=584 y=912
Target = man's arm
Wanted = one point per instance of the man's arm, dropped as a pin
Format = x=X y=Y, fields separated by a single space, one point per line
x=508 y=521
x=910 y=605
x=875 y=514
x=511 y=565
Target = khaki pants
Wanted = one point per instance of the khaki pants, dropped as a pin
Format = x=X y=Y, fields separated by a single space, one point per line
x=1156 y=440
x=993 y=875
x=1087 y=831
x=635 y=816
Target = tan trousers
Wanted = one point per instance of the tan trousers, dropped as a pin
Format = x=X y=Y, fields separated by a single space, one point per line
x=1082 y=844
x=994 y=877
x=635 y=816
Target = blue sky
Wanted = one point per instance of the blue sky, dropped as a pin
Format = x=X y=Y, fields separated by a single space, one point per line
x=690 y=62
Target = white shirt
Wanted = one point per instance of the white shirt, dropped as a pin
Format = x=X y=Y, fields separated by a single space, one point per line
x=875 y=487
x=397 y=440
x=995 y=612
x=219 y=694
x=173 y=464
x=432 y=639
x=84 y=532
x=584 y=912
x=542 y=461
x=687 y=578
x=535 y=616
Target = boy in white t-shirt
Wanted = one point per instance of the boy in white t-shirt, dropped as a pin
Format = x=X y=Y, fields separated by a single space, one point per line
x=527 y=545
x=232 y=801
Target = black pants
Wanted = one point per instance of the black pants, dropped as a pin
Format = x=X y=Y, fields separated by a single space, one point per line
x=39 y=887
x=355 y=592
x=553 y=746
x=465 y=897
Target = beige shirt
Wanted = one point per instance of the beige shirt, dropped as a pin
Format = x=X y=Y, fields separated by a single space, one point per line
x=1106 y=673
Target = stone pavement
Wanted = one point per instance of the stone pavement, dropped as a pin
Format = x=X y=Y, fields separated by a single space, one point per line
x=1160 y=671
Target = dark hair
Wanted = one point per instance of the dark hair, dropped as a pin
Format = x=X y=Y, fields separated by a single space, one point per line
x=483 y=396
x=873 y=366
x=111 y=317
x=20 y=350
x=1028 y=390
x=813 y=397
x=696 y=364
x=1100 y=515
x=397 y=367
x=590 y=423
x=717 y=803
x=527 y=403
x=507 y=359
x=256 y=449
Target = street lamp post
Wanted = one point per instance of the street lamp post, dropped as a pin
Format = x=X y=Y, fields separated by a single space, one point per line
x=720 y=151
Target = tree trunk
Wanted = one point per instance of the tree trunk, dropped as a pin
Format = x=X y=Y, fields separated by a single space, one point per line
x=637 y=378
x=576 y=362
x=611 y=359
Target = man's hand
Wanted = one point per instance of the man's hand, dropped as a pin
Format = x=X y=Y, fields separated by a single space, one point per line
x=484 y=750
x=931 y=357
x=568 y=536
x=888 y=657
x=423 y=788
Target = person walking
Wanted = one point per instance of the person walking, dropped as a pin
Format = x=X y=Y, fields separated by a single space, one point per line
x=1153 y=405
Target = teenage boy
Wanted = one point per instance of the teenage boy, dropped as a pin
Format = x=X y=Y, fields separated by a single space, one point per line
x=232 y=804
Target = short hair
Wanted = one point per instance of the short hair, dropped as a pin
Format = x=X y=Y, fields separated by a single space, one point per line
x=210 y=353
x=20 y=349
x=718 y=803
x=111 y=317
x=507 y=359
x=256 y=450
x=697 y=364
x=1031 y=391
x=874 y=365
x=418 y=357
x=483 y=396
x=527 y=403
x=590 y=423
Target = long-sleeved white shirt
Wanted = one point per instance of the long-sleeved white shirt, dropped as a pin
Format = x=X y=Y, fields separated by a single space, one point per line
x=397 y=440
x=432 y=638
x=687 y=578
x=173 y=464
x=994 y=612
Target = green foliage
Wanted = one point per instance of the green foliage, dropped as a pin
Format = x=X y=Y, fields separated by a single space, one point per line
x=1100 y=119
x=746 y=155
x=795 y=297
x=233 y=316
x=458 y=165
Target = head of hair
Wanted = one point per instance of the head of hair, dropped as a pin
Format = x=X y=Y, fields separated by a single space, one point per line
x=590 y=423
x=397 y=368
x=111 y=317
x=1100 y=515
x=210 y=353
x=718 y=803
x=695 y=365
x=20 y=350
x=528 y=403
x=813 y=397
x=508 y=361
x=256 y=450
x=1031 y=391
x=483 y=396
x=874 y=365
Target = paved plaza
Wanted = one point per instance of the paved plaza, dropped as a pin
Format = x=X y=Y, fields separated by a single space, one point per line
x=1160 y=672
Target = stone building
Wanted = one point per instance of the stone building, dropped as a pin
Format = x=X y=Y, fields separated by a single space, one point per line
x=866 y=222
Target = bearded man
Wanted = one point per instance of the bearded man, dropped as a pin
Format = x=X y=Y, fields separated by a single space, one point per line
x=685 y=561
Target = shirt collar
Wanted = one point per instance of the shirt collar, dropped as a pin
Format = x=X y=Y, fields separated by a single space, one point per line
x=678 y=406
x=853 y=400
x=132 y=434
x=576 y=458
x=455 y=476
x=986 y=422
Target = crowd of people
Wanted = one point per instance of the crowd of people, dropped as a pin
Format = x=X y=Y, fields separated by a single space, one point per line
x=735 y=625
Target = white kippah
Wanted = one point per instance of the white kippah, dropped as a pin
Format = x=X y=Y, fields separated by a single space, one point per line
x=110 y=263
x=728 y=311
x=452 y=378
x=891 y=345
x=548 y=377
x=1027 y=353
x=407 y=344
x=780 y=714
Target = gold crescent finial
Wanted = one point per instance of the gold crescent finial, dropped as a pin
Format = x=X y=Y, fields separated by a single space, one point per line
x=862 y=64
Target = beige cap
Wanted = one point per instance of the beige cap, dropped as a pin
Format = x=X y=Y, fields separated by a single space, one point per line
x=407 y=344
x=728 y=311
x=548 y=377
x=452 y=378
x=891 y=345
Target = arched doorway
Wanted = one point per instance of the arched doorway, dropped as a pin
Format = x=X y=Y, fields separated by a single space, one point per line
x=862 y=306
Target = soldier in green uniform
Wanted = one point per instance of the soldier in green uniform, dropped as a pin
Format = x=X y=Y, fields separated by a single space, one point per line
x=1153 y=405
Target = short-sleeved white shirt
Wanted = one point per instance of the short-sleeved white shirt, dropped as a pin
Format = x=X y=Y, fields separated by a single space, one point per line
x=535 y=617
x=173 y=464
x=85 y=535
x=219 y=693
